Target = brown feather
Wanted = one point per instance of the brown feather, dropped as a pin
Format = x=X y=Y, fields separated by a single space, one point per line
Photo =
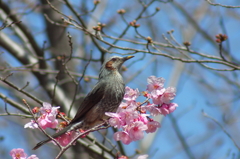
x=91 y=100
x=109 y=65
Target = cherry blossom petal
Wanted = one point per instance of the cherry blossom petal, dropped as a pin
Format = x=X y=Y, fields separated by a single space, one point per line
x=18 y=154
x=130 y=94
x=122 y=136
x=168 y=95
x=136 y=131
x=33 y=157
x=155 y=83
x=152 y=126
x=168 y=108
x=32 y=125
x=145 y=156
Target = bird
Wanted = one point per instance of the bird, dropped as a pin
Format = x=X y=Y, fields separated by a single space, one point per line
x=105 y=96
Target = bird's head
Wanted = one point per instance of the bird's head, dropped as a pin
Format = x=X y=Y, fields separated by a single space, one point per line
x=113 y=64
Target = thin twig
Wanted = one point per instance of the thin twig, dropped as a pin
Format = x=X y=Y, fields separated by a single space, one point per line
x=225 y=131
x=14 y=114
x=46 y=71
x=98 y=127
x=14 y=104
x=20 y=90
x=35 y=120
x=218 y=4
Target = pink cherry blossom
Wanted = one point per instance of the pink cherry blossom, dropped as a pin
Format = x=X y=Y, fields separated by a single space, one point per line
x=129 y=115
x=152 y=109
x=122 y=136
x=155 y=83
x=47 y=118
x=143 y=118
x=123 y=157
x=152 y=126
x=18 y=154
x=168 y=108
x=145 y=156
x=136 y=130
x=33 y=157
x=168 y=95
x=131 y=94
x=116 y=120
x=123 y=117
x=48 y=121
x=48 y=109
x=156 y=95
x=66 y=138
x=128 y=106
x=32 y=125
x=164 y=96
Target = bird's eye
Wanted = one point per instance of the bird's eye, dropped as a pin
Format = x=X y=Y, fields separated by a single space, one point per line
x=114 y=59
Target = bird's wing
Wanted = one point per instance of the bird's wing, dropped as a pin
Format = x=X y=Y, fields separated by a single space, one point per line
x=93 y=98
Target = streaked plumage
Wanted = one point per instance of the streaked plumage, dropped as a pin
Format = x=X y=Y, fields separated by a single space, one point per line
x=106 y=96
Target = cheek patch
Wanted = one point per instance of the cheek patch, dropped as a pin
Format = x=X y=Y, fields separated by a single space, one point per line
x=109 y=65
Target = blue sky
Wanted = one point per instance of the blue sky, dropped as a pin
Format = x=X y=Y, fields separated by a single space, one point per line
x=202 y=134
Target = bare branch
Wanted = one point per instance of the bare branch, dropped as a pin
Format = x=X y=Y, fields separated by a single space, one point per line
x=218 y=4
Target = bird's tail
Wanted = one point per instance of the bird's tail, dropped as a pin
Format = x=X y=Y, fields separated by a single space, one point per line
x=66 y=129
x=41 y=143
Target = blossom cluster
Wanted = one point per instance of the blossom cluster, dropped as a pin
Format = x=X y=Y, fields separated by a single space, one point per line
x=66 y=138
x=132 y=116
x=47 y=117
x=20 y=154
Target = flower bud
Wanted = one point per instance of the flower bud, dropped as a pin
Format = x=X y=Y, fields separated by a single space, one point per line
x=96 y=2
x=35 y=110
x=187 y=43
x=149 y=39
x=171 y=31
x=137 y=25
x=157 y=9
x=87 y=79
x=121 y=11
x=63 y=124
x=220 y=38
x=124 y=68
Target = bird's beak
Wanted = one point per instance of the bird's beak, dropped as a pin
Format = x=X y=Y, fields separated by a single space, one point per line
x=127 y=58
